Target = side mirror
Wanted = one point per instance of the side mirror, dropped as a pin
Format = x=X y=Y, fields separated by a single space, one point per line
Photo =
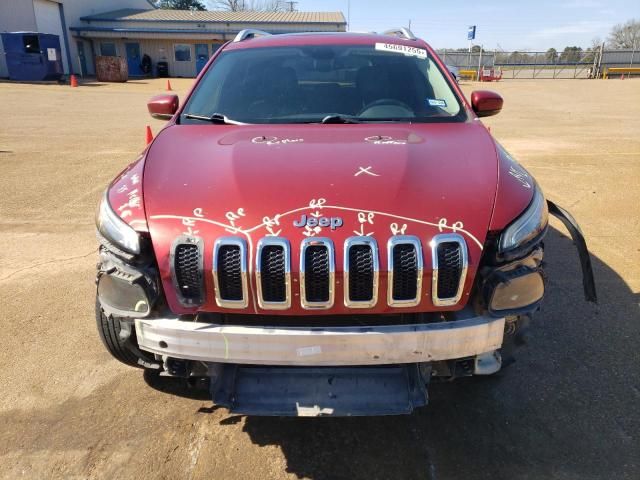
x=486 y=103
x=163 y=106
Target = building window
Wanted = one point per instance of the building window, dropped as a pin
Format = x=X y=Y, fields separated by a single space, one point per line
x=108 y=49
x=182 y=52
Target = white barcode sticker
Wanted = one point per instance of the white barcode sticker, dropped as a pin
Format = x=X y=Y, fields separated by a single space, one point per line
x=437 y=102
x=306 y=351
x=402 y=49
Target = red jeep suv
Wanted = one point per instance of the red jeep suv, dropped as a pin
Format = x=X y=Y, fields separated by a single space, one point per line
x=322 y=228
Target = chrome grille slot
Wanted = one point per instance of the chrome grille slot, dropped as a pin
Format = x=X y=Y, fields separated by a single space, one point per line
x=361 y=270
x=230 y=272
x=450 y=268
x=450 y=262
x=317 y=273
x=273 y=273
x=405 y=271
x=317 y=276
x=273 y=280
x=405 y=260
x=186 y=270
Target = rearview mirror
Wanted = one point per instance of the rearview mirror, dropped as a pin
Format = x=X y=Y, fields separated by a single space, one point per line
x=163 y=106
x=486 y=103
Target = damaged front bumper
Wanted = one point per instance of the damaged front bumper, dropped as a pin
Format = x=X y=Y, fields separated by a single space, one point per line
x=320 y=346
x=320 y=371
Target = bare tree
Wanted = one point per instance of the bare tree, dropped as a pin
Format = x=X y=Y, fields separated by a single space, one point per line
x=590 y=52
x=230 y=5
x=625 y=35
x=180 y=4
x=254 y=5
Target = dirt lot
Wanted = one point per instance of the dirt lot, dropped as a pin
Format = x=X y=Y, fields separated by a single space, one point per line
x=567 y=409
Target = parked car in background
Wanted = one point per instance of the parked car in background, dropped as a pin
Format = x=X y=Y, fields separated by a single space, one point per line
x=322 y=228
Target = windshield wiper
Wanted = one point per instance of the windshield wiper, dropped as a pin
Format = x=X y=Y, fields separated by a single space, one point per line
x=217 y=118
x=339 y=119
x=390 y=119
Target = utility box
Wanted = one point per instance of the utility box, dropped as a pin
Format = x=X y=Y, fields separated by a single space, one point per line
x=162 y=69
x=32 y=56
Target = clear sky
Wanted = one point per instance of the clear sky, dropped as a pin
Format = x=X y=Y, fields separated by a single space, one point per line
x=510 y=25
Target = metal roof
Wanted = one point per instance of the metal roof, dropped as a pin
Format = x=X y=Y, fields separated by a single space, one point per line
x=162 y=15
x=200 y=31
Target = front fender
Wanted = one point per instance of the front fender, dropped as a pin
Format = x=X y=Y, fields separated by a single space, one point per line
x=588 y=281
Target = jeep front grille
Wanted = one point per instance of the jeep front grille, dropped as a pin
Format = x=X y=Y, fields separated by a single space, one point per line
x=230 y=272
x=273 y=273
x=186 y=270
x=360 y=272
x=317 y=273
x=405 y=271
x=449 y=257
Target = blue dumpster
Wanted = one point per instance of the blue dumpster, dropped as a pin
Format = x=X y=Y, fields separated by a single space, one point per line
x=32 y=56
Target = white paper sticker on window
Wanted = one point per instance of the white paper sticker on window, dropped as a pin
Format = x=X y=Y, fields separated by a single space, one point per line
x=437 y=102
x=306 y=351
x=402 y=49
x=51 y=54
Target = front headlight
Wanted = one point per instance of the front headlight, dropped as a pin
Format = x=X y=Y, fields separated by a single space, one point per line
x=114 y=229
x=515 y=288
x=528 y=226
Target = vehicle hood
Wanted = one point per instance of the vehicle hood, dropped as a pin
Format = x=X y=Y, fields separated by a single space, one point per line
x=380 y=179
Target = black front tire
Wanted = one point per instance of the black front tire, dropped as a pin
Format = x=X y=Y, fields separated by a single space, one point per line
x=109 y=329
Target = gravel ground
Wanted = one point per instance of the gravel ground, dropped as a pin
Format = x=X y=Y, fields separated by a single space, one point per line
x=568 y=408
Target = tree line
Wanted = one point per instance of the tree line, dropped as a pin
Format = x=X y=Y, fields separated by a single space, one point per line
x=227 y=5
x=622 y=36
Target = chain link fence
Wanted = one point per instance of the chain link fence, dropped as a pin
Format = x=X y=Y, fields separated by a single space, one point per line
x=549 y=64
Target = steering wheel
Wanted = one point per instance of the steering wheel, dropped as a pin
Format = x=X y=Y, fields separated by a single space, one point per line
x=385 y=101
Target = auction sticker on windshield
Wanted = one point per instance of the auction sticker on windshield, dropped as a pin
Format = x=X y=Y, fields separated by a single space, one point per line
x=403 y=49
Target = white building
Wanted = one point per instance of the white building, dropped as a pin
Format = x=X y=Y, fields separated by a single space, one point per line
x=133 y=28
x=56 y=16
x=186 y=39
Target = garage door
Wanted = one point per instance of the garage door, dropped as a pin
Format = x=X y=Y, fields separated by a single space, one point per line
x=48 y=21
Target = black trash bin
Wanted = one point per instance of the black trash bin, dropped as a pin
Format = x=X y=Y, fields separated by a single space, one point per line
x=162 y=69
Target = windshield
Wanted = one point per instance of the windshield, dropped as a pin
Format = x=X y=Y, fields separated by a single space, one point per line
x=305 y=84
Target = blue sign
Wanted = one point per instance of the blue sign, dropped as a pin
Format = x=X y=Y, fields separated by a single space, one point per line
x=471 y=33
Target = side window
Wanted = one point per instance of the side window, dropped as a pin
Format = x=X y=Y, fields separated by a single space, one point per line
x=227 y=76
x=108 y=49
x=182 y=52
x=31 y=44
x=444 y=97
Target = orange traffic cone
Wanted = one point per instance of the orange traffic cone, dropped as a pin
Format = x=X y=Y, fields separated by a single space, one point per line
x=149 y=136
x=73 y=81
x=168 y=86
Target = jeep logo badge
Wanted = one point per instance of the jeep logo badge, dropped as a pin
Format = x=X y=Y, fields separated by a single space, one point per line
x=304 y=221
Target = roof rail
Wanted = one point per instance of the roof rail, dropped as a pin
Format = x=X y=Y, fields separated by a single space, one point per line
x=249 y=33
x=401 y=32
